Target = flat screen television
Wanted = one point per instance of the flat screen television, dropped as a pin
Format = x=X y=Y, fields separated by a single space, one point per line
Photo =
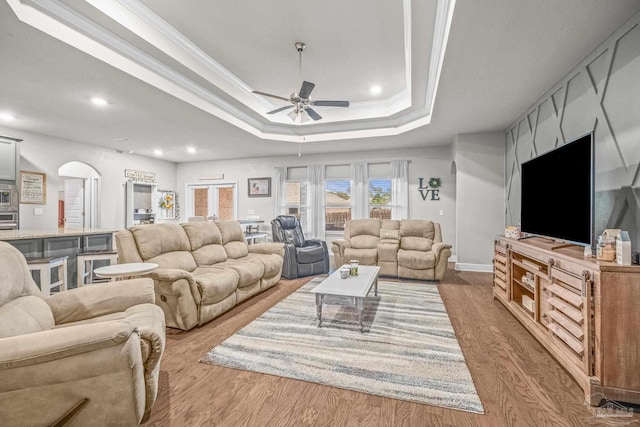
x=558 y=193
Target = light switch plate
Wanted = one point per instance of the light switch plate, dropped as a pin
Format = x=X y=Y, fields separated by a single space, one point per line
x=37 y=211
x=441 y=212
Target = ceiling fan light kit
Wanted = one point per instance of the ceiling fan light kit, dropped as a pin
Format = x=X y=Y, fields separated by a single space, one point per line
x=300 y=101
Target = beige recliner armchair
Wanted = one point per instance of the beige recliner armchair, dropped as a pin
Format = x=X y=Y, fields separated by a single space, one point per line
x=92 y=354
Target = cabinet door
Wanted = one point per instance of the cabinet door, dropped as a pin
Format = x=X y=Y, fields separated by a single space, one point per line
x=569 y=316
x=500 y=273
x=8 y=161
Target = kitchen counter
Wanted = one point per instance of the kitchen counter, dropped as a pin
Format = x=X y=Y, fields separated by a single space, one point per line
x=58 y=232
x=60 y=242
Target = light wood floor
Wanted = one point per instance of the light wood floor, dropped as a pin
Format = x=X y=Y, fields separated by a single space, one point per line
x=518 y=382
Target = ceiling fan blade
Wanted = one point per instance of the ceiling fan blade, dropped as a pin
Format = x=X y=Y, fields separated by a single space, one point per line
x=277 y=110
x=306 y=89
x=312 y=113
x=268 y=94
x=331 y=103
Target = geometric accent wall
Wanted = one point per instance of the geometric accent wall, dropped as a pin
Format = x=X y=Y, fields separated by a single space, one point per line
x=602 y=94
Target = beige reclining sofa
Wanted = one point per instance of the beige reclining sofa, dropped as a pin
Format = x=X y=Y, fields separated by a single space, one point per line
x=91 y=353
x=205 y=268
x=408 y=248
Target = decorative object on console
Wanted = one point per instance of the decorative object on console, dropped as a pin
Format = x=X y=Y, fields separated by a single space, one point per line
x=512 y=231
x=259 y=187
x=623 y=248
x=606 y=245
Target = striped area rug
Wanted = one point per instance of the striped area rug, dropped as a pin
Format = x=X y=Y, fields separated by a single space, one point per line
x=408 y=350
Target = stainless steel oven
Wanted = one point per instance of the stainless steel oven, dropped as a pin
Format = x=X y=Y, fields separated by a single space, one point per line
x=9 y=220
x=8 y=198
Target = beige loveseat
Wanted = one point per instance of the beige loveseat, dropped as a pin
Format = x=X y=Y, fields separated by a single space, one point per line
x=102 y=343
x=205 y=268
x=409 y=248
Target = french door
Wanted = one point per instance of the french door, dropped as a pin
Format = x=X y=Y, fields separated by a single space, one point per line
x=212 y=200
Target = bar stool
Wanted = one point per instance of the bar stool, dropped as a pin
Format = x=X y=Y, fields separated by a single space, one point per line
x=85 y=264
x=44 y=267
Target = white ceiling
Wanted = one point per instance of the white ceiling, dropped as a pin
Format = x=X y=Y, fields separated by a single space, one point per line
x=500 y=57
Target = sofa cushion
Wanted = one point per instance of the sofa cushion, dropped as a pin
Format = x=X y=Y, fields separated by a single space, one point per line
x=359 y=227
x=390 y=224
x=416 y=260
x=201 y=234
x=309 y=254
x=25 y=315
x=233 y=239
x=416 y=243
x=272 y=262
x=215 y=284
x=417 y=228
x=156 y=239
x=364 y=241
x=182 y=260
x=364 y=256
x=249 y=272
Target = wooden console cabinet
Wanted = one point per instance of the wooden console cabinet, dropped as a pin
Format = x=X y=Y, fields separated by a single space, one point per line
x=585 y=312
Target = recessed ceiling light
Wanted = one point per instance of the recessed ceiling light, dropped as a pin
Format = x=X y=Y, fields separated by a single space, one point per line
x=375 y=90
x=157 y=152
x=100 y=102
x=191 y=150
x=7 y=117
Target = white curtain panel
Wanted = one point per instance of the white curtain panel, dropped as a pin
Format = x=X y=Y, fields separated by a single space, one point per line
x=400 y=189
x=315 y=176
x=360 y=190
x=278 y=190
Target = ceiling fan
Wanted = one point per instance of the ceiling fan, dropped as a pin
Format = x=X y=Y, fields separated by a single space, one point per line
x=300 y=101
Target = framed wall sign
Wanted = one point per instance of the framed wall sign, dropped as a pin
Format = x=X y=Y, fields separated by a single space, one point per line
x=33 y=187
x=259 y=187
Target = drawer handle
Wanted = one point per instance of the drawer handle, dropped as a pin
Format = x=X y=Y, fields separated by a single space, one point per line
x=550 y=263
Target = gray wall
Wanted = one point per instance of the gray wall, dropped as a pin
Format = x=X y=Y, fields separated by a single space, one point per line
x=479 y=166
x=602 y=94
x=44 y=153
x=425 y=162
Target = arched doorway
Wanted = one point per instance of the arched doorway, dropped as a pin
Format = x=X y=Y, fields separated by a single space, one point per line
x=78 y=196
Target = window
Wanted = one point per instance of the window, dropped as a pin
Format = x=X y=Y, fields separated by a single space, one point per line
x=337 y=204
x=295 y=199
x=380 y=200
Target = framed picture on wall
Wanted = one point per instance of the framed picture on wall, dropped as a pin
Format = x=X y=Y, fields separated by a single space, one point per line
x=259 y=187
x=33 y=187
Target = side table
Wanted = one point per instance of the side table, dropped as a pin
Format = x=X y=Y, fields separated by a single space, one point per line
x=127 y=270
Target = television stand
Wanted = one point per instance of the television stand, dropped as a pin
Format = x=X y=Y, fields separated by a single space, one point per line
x=583 y=311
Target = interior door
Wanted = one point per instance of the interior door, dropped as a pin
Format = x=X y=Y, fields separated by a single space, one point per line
x=74 y=195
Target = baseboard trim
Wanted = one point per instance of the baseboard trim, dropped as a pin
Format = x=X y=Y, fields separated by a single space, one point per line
x=484 y=268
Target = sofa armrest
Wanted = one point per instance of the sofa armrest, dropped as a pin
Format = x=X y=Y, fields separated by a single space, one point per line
x=438 y=247
x=162 y=276
x=53 y=344
x=337 y=247
x=340 y=244
x=100 y=299
x=267 y=248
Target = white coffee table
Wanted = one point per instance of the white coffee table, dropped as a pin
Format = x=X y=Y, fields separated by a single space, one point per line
x=131 y=269
x=356 y=287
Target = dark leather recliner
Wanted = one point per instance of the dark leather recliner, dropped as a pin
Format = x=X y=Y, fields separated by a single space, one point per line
x=301 y=257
